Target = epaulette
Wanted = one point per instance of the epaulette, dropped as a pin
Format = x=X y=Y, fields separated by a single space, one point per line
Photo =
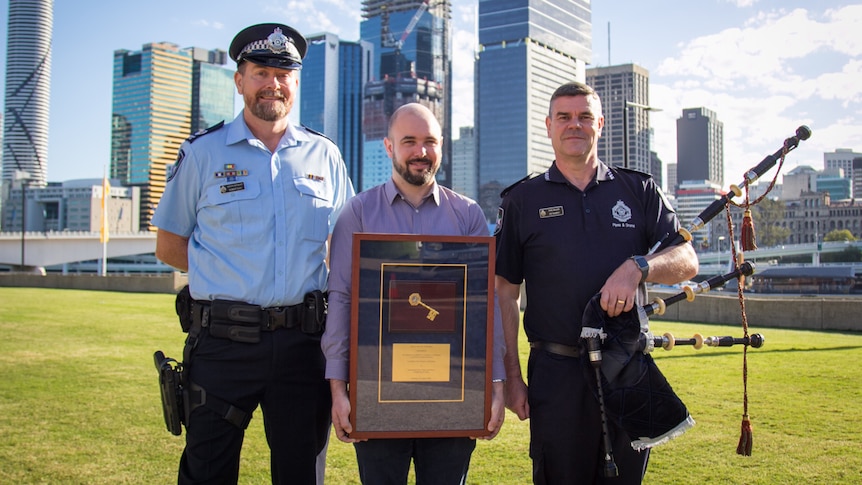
x=631 y=170
x=203 y=132
x=315 y=132
x=509 y=188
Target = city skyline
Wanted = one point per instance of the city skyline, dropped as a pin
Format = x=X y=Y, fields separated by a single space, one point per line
x=765 y=67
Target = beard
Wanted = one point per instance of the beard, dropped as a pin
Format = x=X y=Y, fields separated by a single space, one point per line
x=269 y=110
x=419 y=179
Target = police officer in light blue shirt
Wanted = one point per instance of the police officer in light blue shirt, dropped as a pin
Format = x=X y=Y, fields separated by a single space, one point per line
x=247 y=211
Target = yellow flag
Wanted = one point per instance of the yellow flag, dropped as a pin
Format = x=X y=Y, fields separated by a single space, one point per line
x=103 y=230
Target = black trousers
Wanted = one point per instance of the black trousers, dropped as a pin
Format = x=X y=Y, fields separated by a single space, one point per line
x=566 y=429
x=283 y=373
x=437 y=461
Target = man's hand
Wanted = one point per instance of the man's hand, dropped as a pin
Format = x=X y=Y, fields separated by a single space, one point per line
x=516 y=397
x=620 y=290
x=341 y=411
x=498 y=409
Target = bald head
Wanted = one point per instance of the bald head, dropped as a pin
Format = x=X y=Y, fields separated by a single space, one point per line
x=419 y=111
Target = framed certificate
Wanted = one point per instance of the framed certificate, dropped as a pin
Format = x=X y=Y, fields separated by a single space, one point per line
x=421 y=335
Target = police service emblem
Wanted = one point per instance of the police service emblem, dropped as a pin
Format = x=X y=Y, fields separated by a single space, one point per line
x=621 y=211
x=499 y=225
x=277 y=41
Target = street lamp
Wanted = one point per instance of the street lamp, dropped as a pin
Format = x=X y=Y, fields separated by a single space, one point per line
x=629 y=104
x=22 y=177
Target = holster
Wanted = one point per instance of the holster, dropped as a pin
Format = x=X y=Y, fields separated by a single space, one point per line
x=171 y=387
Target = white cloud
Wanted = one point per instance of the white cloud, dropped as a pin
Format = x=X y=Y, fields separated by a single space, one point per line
x=741 y=3
x=780 y=70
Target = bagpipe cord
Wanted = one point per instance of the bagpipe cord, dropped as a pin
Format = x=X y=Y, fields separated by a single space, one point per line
x=745 y=438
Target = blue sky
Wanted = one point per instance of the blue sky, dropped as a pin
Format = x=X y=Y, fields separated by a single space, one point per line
x=764 y=66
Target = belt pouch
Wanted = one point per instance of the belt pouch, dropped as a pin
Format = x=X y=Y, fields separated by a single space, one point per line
x=235 y=321
x=313 y=315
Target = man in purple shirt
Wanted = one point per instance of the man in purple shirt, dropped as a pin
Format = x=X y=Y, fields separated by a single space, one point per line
x=411 y=202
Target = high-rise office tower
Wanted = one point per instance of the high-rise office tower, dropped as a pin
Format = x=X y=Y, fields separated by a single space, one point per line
x=28 y=91
x=411 y=63
x=700 y=146
x=333 y=76
x=842 y=158
x=212 y=88
x=626 y=137
x=464 y=168
x=527 y=49
x=152 y=113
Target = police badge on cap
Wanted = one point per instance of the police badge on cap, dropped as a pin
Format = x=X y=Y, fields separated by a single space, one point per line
x=274 y=45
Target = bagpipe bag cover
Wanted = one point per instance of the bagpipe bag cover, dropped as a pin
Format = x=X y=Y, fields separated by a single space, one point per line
x=637 y=396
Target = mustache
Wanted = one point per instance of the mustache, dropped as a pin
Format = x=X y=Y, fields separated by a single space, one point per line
x=421 y=159
x=270 y=94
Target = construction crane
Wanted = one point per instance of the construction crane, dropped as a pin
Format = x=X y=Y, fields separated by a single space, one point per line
x=386 y=37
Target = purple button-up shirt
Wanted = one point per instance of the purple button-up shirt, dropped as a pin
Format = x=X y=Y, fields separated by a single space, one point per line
x=382 y=209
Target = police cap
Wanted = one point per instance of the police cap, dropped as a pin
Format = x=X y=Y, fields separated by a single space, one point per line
x=274 y=45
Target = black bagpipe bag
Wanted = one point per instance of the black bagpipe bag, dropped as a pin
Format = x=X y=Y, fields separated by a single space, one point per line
x=637 y=396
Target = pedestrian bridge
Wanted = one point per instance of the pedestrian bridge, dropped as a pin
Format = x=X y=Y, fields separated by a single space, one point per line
x=41 y=249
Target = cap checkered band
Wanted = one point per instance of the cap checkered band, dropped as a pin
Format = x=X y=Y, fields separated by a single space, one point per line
x=276 y=43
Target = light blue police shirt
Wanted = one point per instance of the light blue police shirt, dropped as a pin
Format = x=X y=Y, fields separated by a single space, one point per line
x=257 y=221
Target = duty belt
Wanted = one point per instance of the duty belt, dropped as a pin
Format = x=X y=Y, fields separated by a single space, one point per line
x=268 y=319
x=555 y=348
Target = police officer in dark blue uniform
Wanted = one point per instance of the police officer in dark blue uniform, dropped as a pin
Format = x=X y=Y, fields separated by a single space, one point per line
x=247 y=212
x=579 y=229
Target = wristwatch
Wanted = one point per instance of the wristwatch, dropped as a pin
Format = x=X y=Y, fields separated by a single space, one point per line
x=643 y=265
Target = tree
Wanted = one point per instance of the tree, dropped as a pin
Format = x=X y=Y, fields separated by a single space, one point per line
x=839 y=235
x=768 y=215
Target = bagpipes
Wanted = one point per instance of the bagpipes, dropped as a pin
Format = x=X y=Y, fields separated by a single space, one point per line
x=631 y=390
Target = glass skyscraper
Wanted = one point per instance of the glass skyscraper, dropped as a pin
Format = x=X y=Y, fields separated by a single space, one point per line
x=528 y=48
x=334 y=73
x=152 y=114
x=411 y=62
x=617 y=85
x=700 y=146
x=28 y=90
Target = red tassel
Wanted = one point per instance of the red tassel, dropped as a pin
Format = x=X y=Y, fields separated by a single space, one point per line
x=747 y=238
x=745 y=438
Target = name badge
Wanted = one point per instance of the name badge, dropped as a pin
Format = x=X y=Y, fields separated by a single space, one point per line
x=547 y=212
x=225 y=189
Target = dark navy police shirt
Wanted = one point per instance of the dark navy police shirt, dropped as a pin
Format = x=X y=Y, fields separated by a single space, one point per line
x=566 y=242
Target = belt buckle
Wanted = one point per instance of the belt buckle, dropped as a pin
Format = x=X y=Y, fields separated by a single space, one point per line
x=277 y=318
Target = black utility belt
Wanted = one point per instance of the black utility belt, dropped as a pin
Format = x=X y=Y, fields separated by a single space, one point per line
x=555 y=348
x=243 y=322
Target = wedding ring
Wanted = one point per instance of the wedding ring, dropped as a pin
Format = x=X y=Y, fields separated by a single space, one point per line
x=621 y=302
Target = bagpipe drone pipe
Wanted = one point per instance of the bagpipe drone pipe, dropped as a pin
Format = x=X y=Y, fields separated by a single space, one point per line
x=631 y=390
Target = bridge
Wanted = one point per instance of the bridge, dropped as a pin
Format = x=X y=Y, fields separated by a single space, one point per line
x=41 y=249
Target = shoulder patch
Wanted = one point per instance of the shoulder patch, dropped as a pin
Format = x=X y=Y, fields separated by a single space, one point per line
x=176 y=166
x=314 y=132
x=203 y=132
x=509 y=188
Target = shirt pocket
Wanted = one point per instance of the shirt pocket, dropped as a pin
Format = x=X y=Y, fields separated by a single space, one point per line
x=316 y=196
x=233 y=205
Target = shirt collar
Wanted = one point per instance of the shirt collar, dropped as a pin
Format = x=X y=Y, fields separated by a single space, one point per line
x=390 y=190
x=238 y=131
x=603 y=173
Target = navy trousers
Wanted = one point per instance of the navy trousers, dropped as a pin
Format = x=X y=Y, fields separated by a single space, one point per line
x=566 y=428
x=437 y=461
x=283 y=374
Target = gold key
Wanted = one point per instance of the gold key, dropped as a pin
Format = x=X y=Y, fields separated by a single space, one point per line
x=416 y=300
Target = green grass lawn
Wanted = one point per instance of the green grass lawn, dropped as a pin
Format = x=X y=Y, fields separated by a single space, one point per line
x=79 y=402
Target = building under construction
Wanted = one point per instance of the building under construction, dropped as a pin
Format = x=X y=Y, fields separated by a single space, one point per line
x=411 y=63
